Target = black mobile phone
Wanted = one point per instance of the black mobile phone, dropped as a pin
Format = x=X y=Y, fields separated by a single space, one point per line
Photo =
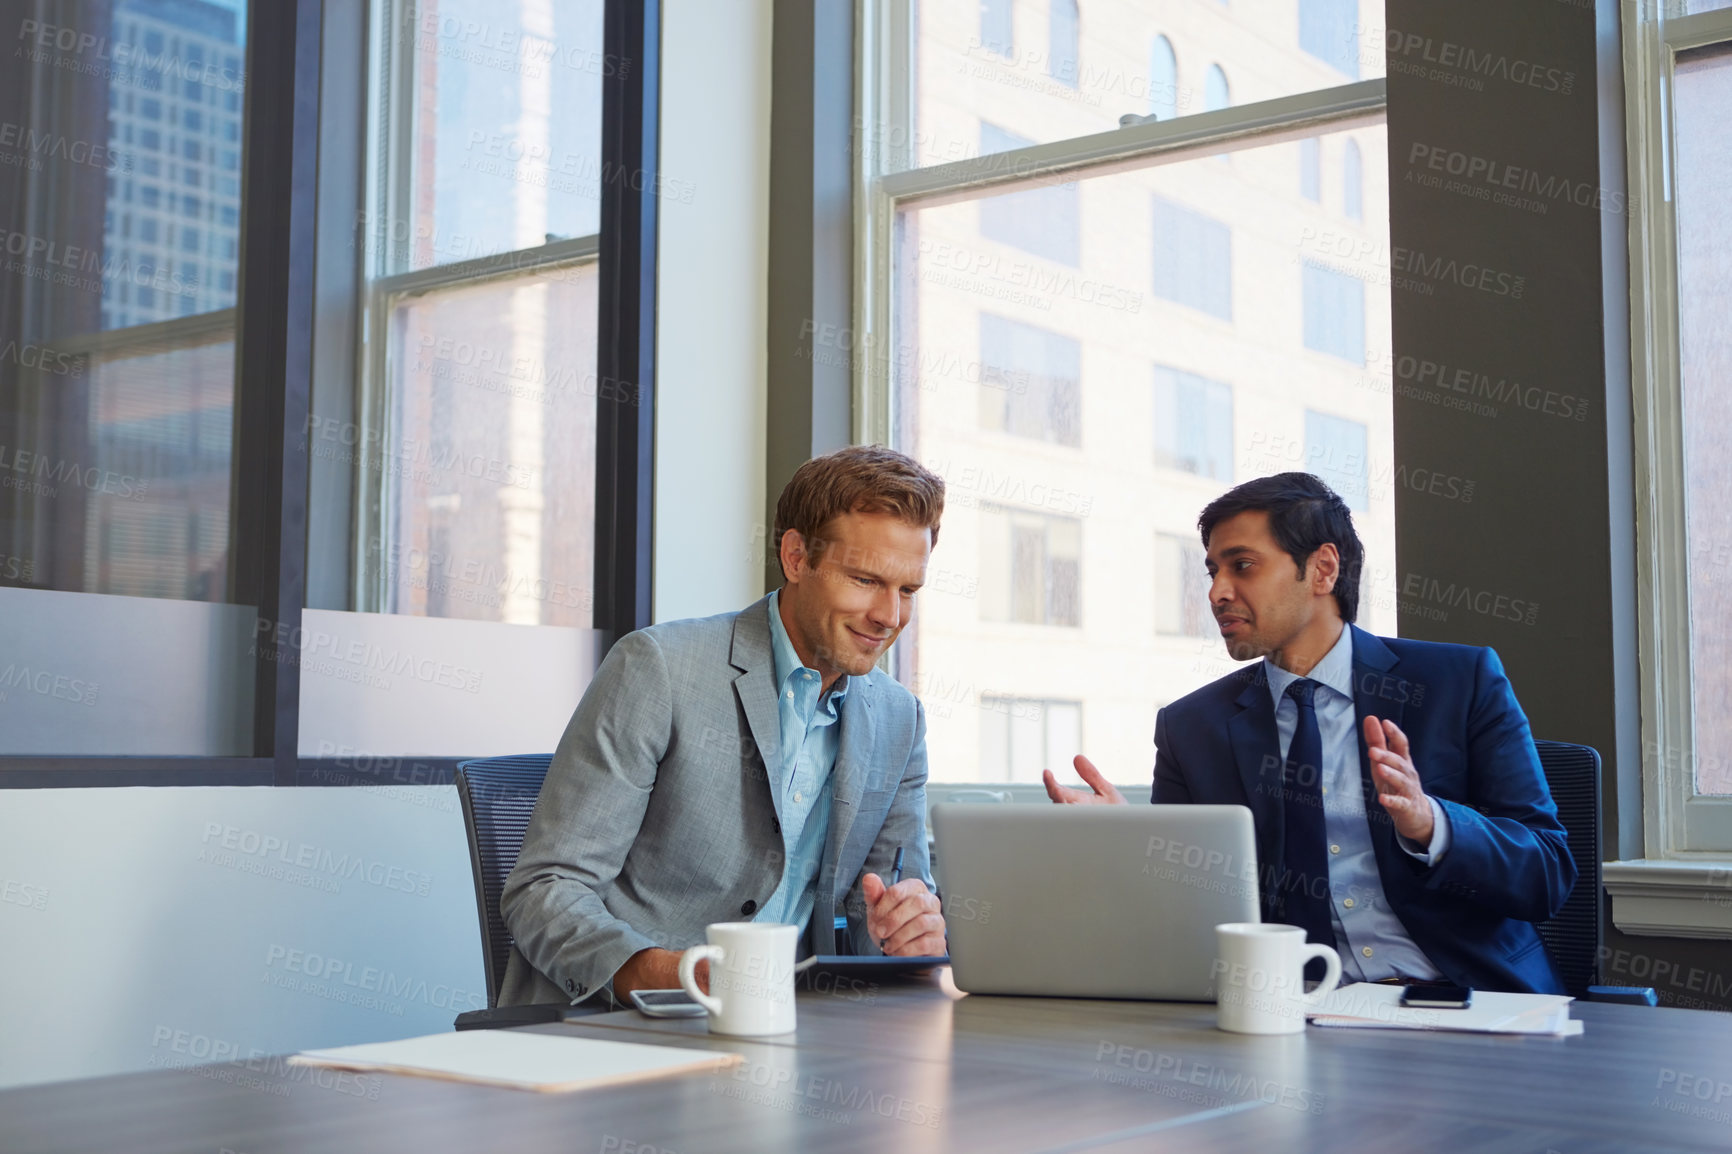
x=1437 y=996
x=666 y=1004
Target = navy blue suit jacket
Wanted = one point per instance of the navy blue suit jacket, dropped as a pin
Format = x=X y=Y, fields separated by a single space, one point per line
x=1508 y=865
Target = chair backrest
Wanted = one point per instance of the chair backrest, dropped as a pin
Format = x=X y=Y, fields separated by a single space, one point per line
x=498 y=795
x=1573 y=937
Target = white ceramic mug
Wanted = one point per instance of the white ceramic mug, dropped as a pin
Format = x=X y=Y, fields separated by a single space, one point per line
x=1260 y=977
x=751 y=977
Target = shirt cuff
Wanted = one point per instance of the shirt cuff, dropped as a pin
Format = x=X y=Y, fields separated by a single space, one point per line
x=1432 y=853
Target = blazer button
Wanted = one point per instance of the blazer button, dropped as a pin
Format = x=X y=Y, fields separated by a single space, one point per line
x=749 y=908
x=570 y=986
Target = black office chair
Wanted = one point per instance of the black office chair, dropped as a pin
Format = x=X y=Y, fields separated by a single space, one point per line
x=498 y=796
x=1573 y=936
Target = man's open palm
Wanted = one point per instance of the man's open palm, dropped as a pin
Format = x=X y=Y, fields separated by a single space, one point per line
x=1100 y=791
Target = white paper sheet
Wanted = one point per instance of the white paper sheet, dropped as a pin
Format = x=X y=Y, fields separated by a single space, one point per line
x=519 y=1060
x=1365 y=1005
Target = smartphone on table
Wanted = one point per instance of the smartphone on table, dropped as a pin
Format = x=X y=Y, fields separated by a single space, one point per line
x=1437 y=996
x=666 y=1004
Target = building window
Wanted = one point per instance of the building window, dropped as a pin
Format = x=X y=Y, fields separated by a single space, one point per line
x=1043 y=221
x=1216 y=93
x=1030 y=381
x=1311 y=169
x=1020 y=736
x=1193 y=259
x=1193 y=424
x=1030 y=567
x=1334 y=308
x=1065 y=23
x=1327 y=30
x=1335 y=450
x=1353 y=182
x=1181 y=588
x=1163 y=80
x=996 y=33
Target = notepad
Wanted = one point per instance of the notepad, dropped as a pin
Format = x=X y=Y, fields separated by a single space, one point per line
x=1365 y=1005
x=551 y=1063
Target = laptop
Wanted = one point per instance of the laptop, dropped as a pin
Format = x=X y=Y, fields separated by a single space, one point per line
x=1092 y=901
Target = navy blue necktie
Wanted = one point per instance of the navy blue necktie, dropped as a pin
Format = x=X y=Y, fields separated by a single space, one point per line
x=1305 y=892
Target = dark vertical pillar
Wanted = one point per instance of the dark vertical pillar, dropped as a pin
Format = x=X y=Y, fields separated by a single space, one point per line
x=811 y=259
x=625 y=334
x=1506 y=230
x=273 y=365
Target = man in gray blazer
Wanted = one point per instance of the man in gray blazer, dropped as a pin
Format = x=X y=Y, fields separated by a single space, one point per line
x=750 y=766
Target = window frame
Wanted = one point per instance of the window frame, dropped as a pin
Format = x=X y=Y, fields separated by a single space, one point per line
x=885 y=183
x=1678 y=826
x=292 y=46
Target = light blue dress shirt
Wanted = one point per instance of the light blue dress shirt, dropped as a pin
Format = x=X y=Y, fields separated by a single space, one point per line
x=810 y=736
x=1369 y=936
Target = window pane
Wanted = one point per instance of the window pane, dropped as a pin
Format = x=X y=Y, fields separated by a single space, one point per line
x=490 y=474
x=1036 y=70
x=1193 y=424
x=123 y=212
x=1310 y=169
x=1703 y=90
x=1084 y=570
x=1334 y=303
x=1042 y=221
x=505 y=133
x=1335 y=451
x=1193 y=259
x=1038 y=376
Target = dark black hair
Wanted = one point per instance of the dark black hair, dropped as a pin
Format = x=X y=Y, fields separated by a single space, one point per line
x=1304 y=514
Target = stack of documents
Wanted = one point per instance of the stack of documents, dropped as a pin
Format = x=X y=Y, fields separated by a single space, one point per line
x=519 y=1060
x=1377 y=1007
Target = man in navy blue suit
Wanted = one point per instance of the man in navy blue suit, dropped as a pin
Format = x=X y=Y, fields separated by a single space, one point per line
x=1400 y=809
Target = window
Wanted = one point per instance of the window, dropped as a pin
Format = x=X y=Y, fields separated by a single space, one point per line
x=962 y=61
x=1031 y=381
x=1334 y=304
x=1020 y=736
x=1681 y=264
x=1043 y=221
x=1216 y=94
x=116 y=403
x=1066 y=33
x=1030 y=567
x=1080 y=551
x=1335 y=450
x=1193 y=424
x=1311 y=169
x=1193 y=259
x=1352 y=182
x=1181 y=588
x=996 y=33
x=479 y=499
x=1163 y=80
x=1328 y=30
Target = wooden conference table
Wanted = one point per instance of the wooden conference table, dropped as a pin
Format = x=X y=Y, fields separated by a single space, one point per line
x=916 y=1066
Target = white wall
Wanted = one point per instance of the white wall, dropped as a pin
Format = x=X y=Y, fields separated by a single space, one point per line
x=134 y=937
x=156 y=926
x=713 y=291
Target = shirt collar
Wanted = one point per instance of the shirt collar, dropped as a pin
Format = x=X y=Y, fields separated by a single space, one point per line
x=788 y=662
x=1334 y=671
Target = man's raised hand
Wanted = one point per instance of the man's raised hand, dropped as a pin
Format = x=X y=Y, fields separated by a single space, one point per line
x=1100 y=791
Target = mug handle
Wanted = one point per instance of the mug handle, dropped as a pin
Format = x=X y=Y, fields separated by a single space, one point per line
x=1331 y=972
x=689 y=978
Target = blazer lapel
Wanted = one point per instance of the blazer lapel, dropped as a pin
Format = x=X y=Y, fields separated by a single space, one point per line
x=756 y=689
x=1257 y=751
x=1377 y=692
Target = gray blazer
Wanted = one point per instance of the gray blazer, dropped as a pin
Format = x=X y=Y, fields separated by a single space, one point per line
x=657 y=817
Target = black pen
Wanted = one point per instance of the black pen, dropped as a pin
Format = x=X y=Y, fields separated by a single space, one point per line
x=896 y=867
